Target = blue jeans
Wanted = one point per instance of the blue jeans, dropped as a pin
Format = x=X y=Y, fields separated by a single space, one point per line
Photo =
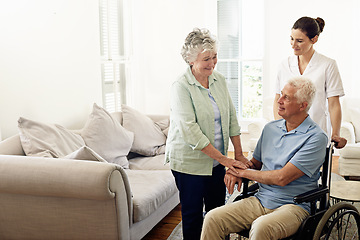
x=195 y=192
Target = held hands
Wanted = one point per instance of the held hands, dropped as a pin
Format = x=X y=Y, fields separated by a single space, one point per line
x=232 y=174
x=339 y=141
x=233 y=165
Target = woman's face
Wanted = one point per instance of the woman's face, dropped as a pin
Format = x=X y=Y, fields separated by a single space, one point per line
x=205 y=63
x=301 y=43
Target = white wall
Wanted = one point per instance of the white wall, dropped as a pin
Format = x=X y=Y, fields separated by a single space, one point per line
x=160 y=28
x=49 y=62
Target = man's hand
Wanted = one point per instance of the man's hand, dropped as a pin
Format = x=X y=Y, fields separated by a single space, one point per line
x=339 y=141
x=244 y=160
x=230 y=181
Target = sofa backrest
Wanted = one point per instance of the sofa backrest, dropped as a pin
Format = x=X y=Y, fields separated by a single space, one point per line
x=12 y=145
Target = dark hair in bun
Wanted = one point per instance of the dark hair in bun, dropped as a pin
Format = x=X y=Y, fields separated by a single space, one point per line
x=310 y=26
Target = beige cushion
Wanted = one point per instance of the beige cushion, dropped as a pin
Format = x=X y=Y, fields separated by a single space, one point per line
x=351 y=151
x=149 y=139
x=150 y=189
x=164 y=125
x=149 y=163
x=47 y=140
x=85 y=153
x=103 y=134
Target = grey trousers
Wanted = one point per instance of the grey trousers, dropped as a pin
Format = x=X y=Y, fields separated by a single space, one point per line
x=250 y=214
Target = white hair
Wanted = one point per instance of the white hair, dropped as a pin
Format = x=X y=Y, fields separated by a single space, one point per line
x=198 y=41
x=305 y=90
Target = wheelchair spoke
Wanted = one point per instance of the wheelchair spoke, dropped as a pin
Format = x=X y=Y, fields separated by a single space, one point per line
x=340 y=222
x=344 y=227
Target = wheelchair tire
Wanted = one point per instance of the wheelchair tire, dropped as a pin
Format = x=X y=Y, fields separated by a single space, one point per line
x=340 y=213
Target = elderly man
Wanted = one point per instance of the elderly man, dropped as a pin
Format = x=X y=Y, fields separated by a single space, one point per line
x=285 y=163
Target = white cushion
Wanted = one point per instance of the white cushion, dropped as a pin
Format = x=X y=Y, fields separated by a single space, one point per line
x=150 y=189
x=47 y=140
x=149 y=139
x=355 y=120
x=103 y=134
x=85 y=153
x=351 y=151
x=149 y=163
x=164 y=126
x=349 y=166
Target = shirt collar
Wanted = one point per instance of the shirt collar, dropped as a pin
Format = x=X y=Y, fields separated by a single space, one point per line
x=302 y=128
x=294 y=62
x=192 y=80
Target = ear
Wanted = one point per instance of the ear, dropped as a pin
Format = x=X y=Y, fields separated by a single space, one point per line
x=315 y=39
x=303 y=106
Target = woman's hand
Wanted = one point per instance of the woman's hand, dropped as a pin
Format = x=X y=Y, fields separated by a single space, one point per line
x=339 y=141
x=233 y=164
x=230 y=181
x=244 y=160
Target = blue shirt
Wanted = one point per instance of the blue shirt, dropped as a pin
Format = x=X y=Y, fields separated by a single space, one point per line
x=218 y=142
x=305 y=147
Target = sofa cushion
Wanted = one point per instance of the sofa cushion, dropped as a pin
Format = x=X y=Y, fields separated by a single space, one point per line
x=149 y=163
x=85 y=153
x=103 y=134
x=149 y=139
x=47 y=140
x=351 y=151
x=150 y=189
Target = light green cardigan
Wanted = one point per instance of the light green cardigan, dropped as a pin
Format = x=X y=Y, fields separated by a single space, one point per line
x=192 y=124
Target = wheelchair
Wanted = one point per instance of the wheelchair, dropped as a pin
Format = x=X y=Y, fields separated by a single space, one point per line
x=326 y=221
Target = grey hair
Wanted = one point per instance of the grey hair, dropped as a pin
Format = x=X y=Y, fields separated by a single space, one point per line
x=198 y=41
x=305 y=90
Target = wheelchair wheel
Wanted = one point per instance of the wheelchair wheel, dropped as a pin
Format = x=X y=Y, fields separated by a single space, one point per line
x=340 y=221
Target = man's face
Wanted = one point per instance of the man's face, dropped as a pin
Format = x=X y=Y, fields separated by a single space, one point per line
x=288 y=104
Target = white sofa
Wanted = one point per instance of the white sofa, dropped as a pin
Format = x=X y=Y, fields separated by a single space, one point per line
x=349 y=160
x=62 y=198
x=255 y=127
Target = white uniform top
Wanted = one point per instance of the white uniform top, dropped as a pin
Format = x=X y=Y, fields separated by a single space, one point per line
x=324 y=73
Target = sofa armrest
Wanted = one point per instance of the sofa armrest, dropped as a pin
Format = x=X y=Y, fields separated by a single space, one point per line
x=86 y=181
x=56 y=177
x=347 y=131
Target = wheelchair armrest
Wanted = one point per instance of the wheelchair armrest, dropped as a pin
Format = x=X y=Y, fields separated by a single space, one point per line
x=311 y=195
x=247 y=190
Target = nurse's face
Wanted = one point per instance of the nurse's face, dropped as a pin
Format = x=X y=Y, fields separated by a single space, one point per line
x=301 y=43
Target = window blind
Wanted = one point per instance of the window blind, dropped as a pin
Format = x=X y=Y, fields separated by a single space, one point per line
x=115 y=26
x=240 y=54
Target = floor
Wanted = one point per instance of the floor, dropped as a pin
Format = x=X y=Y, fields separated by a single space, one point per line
x=165 y=227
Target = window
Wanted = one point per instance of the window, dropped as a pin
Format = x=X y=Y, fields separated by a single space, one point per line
x=240 y=54
x=115 y=51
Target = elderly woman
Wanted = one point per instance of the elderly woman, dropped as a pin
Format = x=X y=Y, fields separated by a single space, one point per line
x=202 y=120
